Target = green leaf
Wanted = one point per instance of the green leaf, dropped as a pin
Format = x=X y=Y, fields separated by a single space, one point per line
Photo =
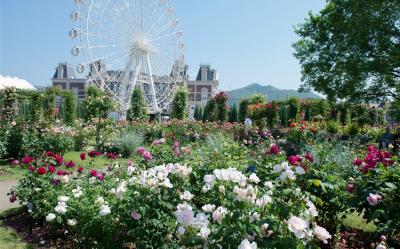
x=317 y=182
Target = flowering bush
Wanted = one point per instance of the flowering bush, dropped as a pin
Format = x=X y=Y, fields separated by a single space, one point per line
x=195 y=185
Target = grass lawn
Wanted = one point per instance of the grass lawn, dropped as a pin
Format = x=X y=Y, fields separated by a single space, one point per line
x=10 y=239
x=11 y=172
x=355 y=221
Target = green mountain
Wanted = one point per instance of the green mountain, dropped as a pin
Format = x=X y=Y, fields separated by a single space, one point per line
x=270 y=92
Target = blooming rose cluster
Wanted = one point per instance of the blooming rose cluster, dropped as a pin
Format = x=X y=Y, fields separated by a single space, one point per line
x=144 y=153
x=301 y=229
x=286 y=171
x=371 y=160
x=186 y=218
x=158 y=176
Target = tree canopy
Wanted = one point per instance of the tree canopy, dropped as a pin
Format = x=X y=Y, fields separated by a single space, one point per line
x=351 y=50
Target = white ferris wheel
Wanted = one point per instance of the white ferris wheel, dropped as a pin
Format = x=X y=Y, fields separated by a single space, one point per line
x=129 y=43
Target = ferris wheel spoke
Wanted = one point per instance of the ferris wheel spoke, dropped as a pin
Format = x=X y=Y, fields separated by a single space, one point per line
x=157 y=23
x=108 y=46
x=164 y=36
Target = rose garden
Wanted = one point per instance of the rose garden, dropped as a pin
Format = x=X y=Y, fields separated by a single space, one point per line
x=302 y=175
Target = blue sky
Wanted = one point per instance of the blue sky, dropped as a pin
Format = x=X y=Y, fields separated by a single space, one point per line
x=247 y=41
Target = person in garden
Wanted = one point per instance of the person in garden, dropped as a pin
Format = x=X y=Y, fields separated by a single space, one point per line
x=386 y=139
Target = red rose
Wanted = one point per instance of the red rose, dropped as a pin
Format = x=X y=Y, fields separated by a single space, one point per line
x=309 y=157
x=59 y=159
x=83 y=156
x=112 y=155
x=51 y=169
x=70 y=164
x=61 y=172
x=93 y=173
x=274 y=149
x=27 y=160
x=50 y=154
x=293 y=160
x=80 y=170
x=41 y=170
x=357 y=162
x=94 y=153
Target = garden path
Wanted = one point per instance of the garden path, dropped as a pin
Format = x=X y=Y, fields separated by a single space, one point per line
x=5 y=187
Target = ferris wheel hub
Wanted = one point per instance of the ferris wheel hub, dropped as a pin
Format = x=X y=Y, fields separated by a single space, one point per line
x=141 y=44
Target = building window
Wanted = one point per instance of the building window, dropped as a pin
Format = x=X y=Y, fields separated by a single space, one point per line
x=75 y=91
x=204 y=93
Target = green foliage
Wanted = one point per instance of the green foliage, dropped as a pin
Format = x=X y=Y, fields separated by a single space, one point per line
x=257 y=99
x=70 y=109
x=394 y=110
x=221 y=109
x=50 y=104
x=98 y=103
x=271 y=114
x=332 y=127
x=180 y=104
x=209 y=110
x=243 y=110
x=293 y=109
x=350 y=50
x=283 y=115
x=126 y=143
x=360 y=115
x=233 y=114
x=198 y=113
x=138 y=108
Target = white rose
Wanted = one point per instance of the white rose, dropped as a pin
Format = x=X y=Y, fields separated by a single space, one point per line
x=181 y=230
x=50 y=217
x=208 y=208
x=104 y=210
x=254 y=178
x=71 y=222
x=381 y=246
x=63 y=198
x=221 y=189
x=61 y=208
x=186 y=195
x=247 y=245
x=204 y=232
x=298 y=226
x=277 y=168
x=64 y=179
x=300 y=171
x=322 y=234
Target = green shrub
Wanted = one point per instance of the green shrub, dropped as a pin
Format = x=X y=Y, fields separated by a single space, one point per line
x=127 y=143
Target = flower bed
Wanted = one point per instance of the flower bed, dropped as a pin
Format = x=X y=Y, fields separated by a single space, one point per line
x=214 y=193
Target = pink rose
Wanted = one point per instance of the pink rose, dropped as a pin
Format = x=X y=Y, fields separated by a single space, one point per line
x=374 y=199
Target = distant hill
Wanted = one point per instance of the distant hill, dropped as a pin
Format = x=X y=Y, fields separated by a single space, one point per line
x=270 y=92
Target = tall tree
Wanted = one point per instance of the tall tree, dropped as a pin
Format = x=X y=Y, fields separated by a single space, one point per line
x=221 y=107
x=243 y=110
x=70 y=108
x=351 y=50
x=209 y=110
x=138 y=108
x=196 y=113
x=233 y=114
x=180 y=104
